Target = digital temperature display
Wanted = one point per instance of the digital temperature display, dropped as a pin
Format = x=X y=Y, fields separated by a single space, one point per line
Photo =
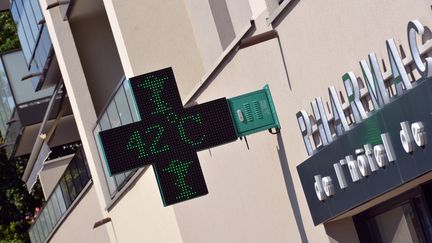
x=168 y=136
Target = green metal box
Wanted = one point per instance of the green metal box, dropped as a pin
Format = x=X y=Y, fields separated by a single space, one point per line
x=253 y=112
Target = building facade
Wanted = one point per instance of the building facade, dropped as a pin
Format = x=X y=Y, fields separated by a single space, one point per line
x=279 y=187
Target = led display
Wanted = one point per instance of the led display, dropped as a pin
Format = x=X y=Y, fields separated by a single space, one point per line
x=168 y=136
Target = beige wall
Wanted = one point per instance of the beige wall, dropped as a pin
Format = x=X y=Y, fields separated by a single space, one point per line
x=205 y=31
x=51 y=173
x=152 y=35
x=139 y=216
x=78 y=226
x=204 y=24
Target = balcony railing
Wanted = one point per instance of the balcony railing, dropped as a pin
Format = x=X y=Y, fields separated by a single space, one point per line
x=34 y=38
x=119 y=110
x=58 y=205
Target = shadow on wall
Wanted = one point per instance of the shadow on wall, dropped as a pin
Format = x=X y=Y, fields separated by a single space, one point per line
x=290 y=188
x=427 y=35
x=218 y=70
x=287 y=10
x=342 y=231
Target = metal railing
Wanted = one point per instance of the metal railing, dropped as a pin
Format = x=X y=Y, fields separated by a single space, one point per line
x=69 y=188
x=119 y=110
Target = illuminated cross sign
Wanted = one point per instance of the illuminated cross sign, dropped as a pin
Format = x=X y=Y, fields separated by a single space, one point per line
x=168 y=136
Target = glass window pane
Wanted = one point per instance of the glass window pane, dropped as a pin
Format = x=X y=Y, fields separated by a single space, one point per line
x=39 y=58
x=120 y=178
x=36 y=10
x=32 y=237
x=70 y=185
x=56 y=207
x=104 y=123
x=398 y=225
x=51 y=213
x=61 y=200
x=22 y=37
x=23 y=40
x=41 y=51
x=31 y=18
x=24 y=21
x=3 y=120
x=82 y=169
x=45 y=40
x=110 y=180
x=123 y=107
x=131 y=101
x=42 y=225
x=6 y=87
x=4 y=100
x=65 y=192
x=113 y=115
x=40 y=230
x=35 y=231
x=49 y=222
x=76 y=178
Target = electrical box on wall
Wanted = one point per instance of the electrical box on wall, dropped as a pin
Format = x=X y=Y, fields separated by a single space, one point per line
x=253 y=112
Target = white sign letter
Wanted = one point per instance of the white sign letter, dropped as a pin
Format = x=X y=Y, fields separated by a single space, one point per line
x=353 y=93
x=340 y=121
x=406 y=137
x=340 y=175
x=400 y=76
x=419 y=134
x=306 y=130
x=374 y=82
x=353 y=168
x=425 y=69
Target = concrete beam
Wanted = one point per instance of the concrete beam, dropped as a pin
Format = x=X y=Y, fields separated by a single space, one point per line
x=4 y=5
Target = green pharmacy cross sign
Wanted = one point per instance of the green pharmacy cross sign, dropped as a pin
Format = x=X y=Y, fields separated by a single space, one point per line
x=168 y=135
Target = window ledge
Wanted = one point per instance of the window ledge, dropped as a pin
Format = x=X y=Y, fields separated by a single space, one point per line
x=278 y=11
x=127 y=186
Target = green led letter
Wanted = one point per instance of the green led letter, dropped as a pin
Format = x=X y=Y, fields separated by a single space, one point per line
x=155 y=84
x=136 y=142
x=159 y=131
x=181 y=129
x=180 y=169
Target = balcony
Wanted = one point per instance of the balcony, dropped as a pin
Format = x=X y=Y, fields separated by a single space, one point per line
x=35 y=43
x=22 y=110
x=119 y=110
x=71 y=187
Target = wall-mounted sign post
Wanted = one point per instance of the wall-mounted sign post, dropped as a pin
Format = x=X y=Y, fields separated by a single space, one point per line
x=168 y=136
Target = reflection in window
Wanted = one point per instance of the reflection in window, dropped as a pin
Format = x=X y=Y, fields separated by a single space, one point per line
x=34 y=37
x=7 y=103
x=121 y=111
x=71 y=184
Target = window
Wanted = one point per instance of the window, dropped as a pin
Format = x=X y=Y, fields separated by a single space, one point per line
x=120 y=111
x=70 y=186
x=35 y=41
x=7 y=103
x=405 y=218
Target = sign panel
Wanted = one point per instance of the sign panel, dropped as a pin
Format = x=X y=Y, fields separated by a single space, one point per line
x=168 y=136
x=253 y=112
x=386 y=150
